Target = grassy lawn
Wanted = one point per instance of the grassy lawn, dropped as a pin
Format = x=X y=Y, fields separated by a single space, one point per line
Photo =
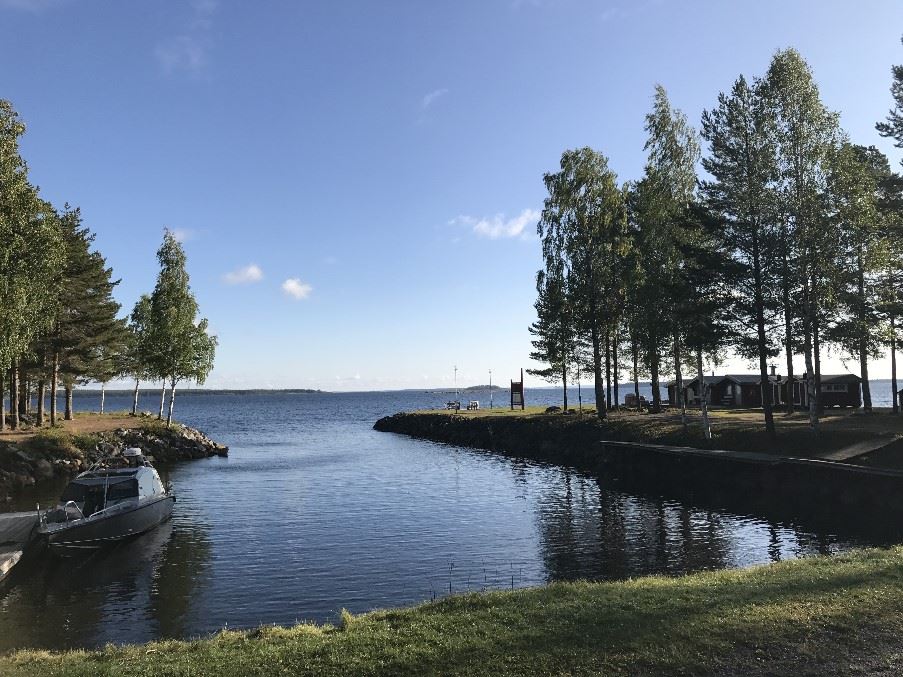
x=835 y=616
x=732 y=429
x=70 y=441
x=83 y=423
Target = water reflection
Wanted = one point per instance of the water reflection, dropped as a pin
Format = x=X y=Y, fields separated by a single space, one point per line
x=314 y=511
x=605 y=528
x=138 y=590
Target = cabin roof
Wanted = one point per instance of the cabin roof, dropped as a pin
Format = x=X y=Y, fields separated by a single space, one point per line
x=840 y=378
x=830 y=378
x=740 y=379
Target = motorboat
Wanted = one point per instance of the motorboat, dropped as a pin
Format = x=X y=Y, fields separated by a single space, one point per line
x=104 y=505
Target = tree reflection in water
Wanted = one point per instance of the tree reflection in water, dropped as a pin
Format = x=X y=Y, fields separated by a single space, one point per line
x=601 y=528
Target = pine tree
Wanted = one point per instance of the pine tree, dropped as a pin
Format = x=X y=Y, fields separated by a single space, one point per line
x=856 y=174
x=86 y=327
x=553 y=330
x=664 y=196
x=892 y=127
x=31 y=253
x=742 y=161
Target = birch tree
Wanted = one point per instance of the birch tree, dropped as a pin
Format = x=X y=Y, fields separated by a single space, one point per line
x=180 y=346
x=584 y=227
x=806 y=132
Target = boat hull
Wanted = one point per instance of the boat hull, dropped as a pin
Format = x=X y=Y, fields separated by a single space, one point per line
x=93 y=534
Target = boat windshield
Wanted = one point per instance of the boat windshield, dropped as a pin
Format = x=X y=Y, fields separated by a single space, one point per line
x=91 y=493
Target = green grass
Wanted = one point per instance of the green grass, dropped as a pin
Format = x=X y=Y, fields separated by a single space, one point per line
x=838 y=616
x=732 y=429
x=55 y=442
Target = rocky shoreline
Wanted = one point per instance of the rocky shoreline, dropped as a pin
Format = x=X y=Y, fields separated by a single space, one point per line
x=785 y=487
x=53 y=454
x=555 y=439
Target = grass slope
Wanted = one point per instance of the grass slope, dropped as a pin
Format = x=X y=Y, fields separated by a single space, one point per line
x=838 y=615
x=732 y=429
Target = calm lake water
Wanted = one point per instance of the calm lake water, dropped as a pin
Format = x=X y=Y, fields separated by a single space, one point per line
x=314 y=511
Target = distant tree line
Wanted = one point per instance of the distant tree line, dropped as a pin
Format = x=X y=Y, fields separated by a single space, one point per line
x=789 y=245
x=59 y=323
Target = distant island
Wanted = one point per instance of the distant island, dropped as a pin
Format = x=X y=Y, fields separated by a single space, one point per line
x=468 y=389
x=206 y=391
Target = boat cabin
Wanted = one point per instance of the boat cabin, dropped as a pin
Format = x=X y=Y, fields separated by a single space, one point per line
x=97 y=490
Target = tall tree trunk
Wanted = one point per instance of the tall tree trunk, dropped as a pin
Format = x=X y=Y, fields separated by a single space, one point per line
x=893 y=365
x=608 y=367
x=656 y=385
x=23 y=396
x=863 y=337
x=811 y=392
x=135 y=399
x=54 y=385
x=636 y=370
x=788 y=322
x=579 y=391
x=703 y=389
x=679 y=383
x=864 y=375
x=14 y=397
x=68 y=414
x=762 y=342
x=615 y=370
x=172 y=401
x=564 y=385
x=816 y=350
x=3 y=397
x=42 y=391
x=598 y=383
x=103 y=395
x=162 y=400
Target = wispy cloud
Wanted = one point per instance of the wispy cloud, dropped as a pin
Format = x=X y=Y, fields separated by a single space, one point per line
x=498 y=226
x=296 y=289
x=431 y=98
x=189 y=51
x=183 y=234
x=248 y=274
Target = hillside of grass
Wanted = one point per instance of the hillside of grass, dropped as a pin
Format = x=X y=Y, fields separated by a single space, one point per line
x=732 y=429
x=826 y=615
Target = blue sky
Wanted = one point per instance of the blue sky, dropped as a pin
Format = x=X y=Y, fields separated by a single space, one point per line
x=357 y=183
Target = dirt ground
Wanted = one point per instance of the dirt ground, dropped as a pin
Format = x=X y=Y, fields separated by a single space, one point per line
x=83 y=423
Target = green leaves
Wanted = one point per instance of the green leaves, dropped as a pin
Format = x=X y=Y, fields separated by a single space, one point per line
x=32 y=251
x=173 y=344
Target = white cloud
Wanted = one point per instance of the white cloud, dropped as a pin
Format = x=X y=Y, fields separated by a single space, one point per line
x=431 y=98
x=246 y=275
x=188 y=51
x=183 y=52
x=297 y=289
x=498 y=226
x=183 y=234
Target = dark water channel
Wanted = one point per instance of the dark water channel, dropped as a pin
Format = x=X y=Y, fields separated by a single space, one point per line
x=313 y=511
